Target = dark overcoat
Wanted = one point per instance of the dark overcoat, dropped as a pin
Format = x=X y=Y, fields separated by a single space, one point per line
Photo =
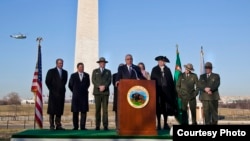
x=80 y=93
x=165 y=90
x=56 y=86
x=115 y=92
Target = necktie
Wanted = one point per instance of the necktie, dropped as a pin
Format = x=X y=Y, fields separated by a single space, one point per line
x=208 y=75
x=101 y=70
x=129 y=70
x=187 y=75
x=60 y=72
x=81 y=76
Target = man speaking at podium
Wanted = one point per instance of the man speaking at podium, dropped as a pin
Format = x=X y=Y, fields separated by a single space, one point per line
x=129 y=70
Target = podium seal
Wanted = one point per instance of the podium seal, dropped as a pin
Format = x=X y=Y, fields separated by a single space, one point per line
x=138 y=97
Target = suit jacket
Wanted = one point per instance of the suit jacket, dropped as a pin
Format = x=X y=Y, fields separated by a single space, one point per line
x=80 y=93
x=99 y=79
x=213 y=82
x=56 y=86
x=123 y=73
x=187 y=86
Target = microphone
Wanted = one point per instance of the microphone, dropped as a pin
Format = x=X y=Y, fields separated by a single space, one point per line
x=135 y=73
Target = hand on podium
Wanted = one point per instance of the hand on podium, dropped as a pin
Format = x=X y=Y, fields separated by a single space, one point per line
x=116 y=83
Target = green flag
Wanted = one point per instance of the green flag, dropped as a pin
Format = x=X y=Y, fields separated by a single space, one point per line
x=178 y=71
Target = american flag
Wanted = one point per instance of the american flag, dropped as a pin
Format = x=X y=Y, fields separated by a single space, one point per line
x=36 y=88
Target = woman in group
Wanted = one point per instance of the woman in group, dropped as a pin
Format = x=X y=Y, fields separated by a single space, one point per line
x=143 y=70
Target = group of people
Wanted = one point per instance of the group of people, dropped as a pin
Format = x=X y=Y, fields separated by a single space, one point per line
x=186 y=88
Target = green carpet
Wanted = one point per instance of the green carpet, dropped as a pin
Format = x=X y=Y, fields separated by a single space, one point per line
x=92 y=134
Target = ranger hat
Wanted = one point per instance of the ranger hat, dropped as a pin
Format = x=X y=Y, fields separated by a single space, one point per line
x=102 y=59
x=208 y=65
x=189 y=66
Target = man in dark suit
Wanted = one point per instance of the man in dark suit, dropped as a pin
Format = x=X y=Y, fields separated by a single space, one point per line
x=115 y=94
x=209 y=94
x=129 y=70
x=56 y=80
x=165 y=91
x=101 y=79
x=78 y=84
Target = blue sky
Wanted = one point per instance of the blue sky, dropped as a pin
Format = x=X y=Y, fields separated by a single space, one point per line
x=143 y=28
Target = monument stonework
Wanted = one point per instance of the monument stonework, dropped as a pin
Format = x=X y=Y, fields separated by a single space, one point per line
x=87 y=42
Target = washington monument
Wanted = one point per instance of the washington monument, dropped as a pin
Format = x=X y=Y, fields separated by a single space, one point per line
x=87 y=42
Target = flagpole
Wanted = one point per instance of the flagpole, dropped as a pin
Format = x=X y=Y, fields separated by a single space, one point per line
x=177 y=51
x=201 y=61
x=38 y=39
x=35 y=111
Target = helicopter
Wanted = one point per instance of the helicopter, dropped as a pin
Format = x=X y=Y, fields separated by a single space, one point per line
x=19 y=36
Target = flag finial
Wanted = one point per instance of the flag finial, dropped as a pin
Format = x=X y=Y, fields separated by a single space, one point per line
x=39 y=39
x=177 y=51
x=202 y=50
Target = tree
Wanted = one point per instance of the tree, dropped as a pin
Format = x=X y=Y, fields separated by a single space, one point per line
x=12 y=99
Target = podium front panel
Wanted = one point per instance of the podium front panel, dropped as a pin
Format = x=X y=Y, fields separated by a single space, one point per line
x=136 y=107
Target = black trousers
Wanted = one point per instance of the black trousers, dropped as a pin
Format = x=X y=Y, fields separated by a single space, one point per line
x=161 y=109
x=82 y=121
x=55 y=120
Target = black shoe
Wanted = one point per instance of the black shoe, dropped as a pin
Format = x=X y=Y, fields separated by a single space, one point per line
x=158 y=127
x=194 y=123
x=52 y=128
x=166 y=127
x=84 y=129
x=97 y=128
x=59 y=128
x=106 y=128
x=75 y=129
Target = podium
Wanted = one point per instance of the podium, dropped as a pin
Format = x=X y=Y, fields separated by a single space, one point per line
x=136 y=113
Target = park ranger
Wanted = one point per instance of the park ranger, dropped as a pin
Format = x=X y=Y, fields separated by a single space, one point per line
x=101 y=78
x=209 y=94
x=186 y=87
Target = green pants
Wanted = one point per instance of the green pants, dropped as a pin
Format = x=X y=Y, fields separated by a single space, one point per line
x=101 y=102
x=192 y=106
x=210 y=110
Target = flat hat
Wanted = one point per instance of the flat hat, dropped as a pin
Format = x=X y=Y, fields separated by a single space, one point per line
x=189 y=66
x=162 y=58
x=102 y=59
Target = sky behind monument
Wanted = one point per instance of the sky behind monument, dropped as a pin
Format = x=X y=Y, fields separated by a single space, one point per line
x=143 y=28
